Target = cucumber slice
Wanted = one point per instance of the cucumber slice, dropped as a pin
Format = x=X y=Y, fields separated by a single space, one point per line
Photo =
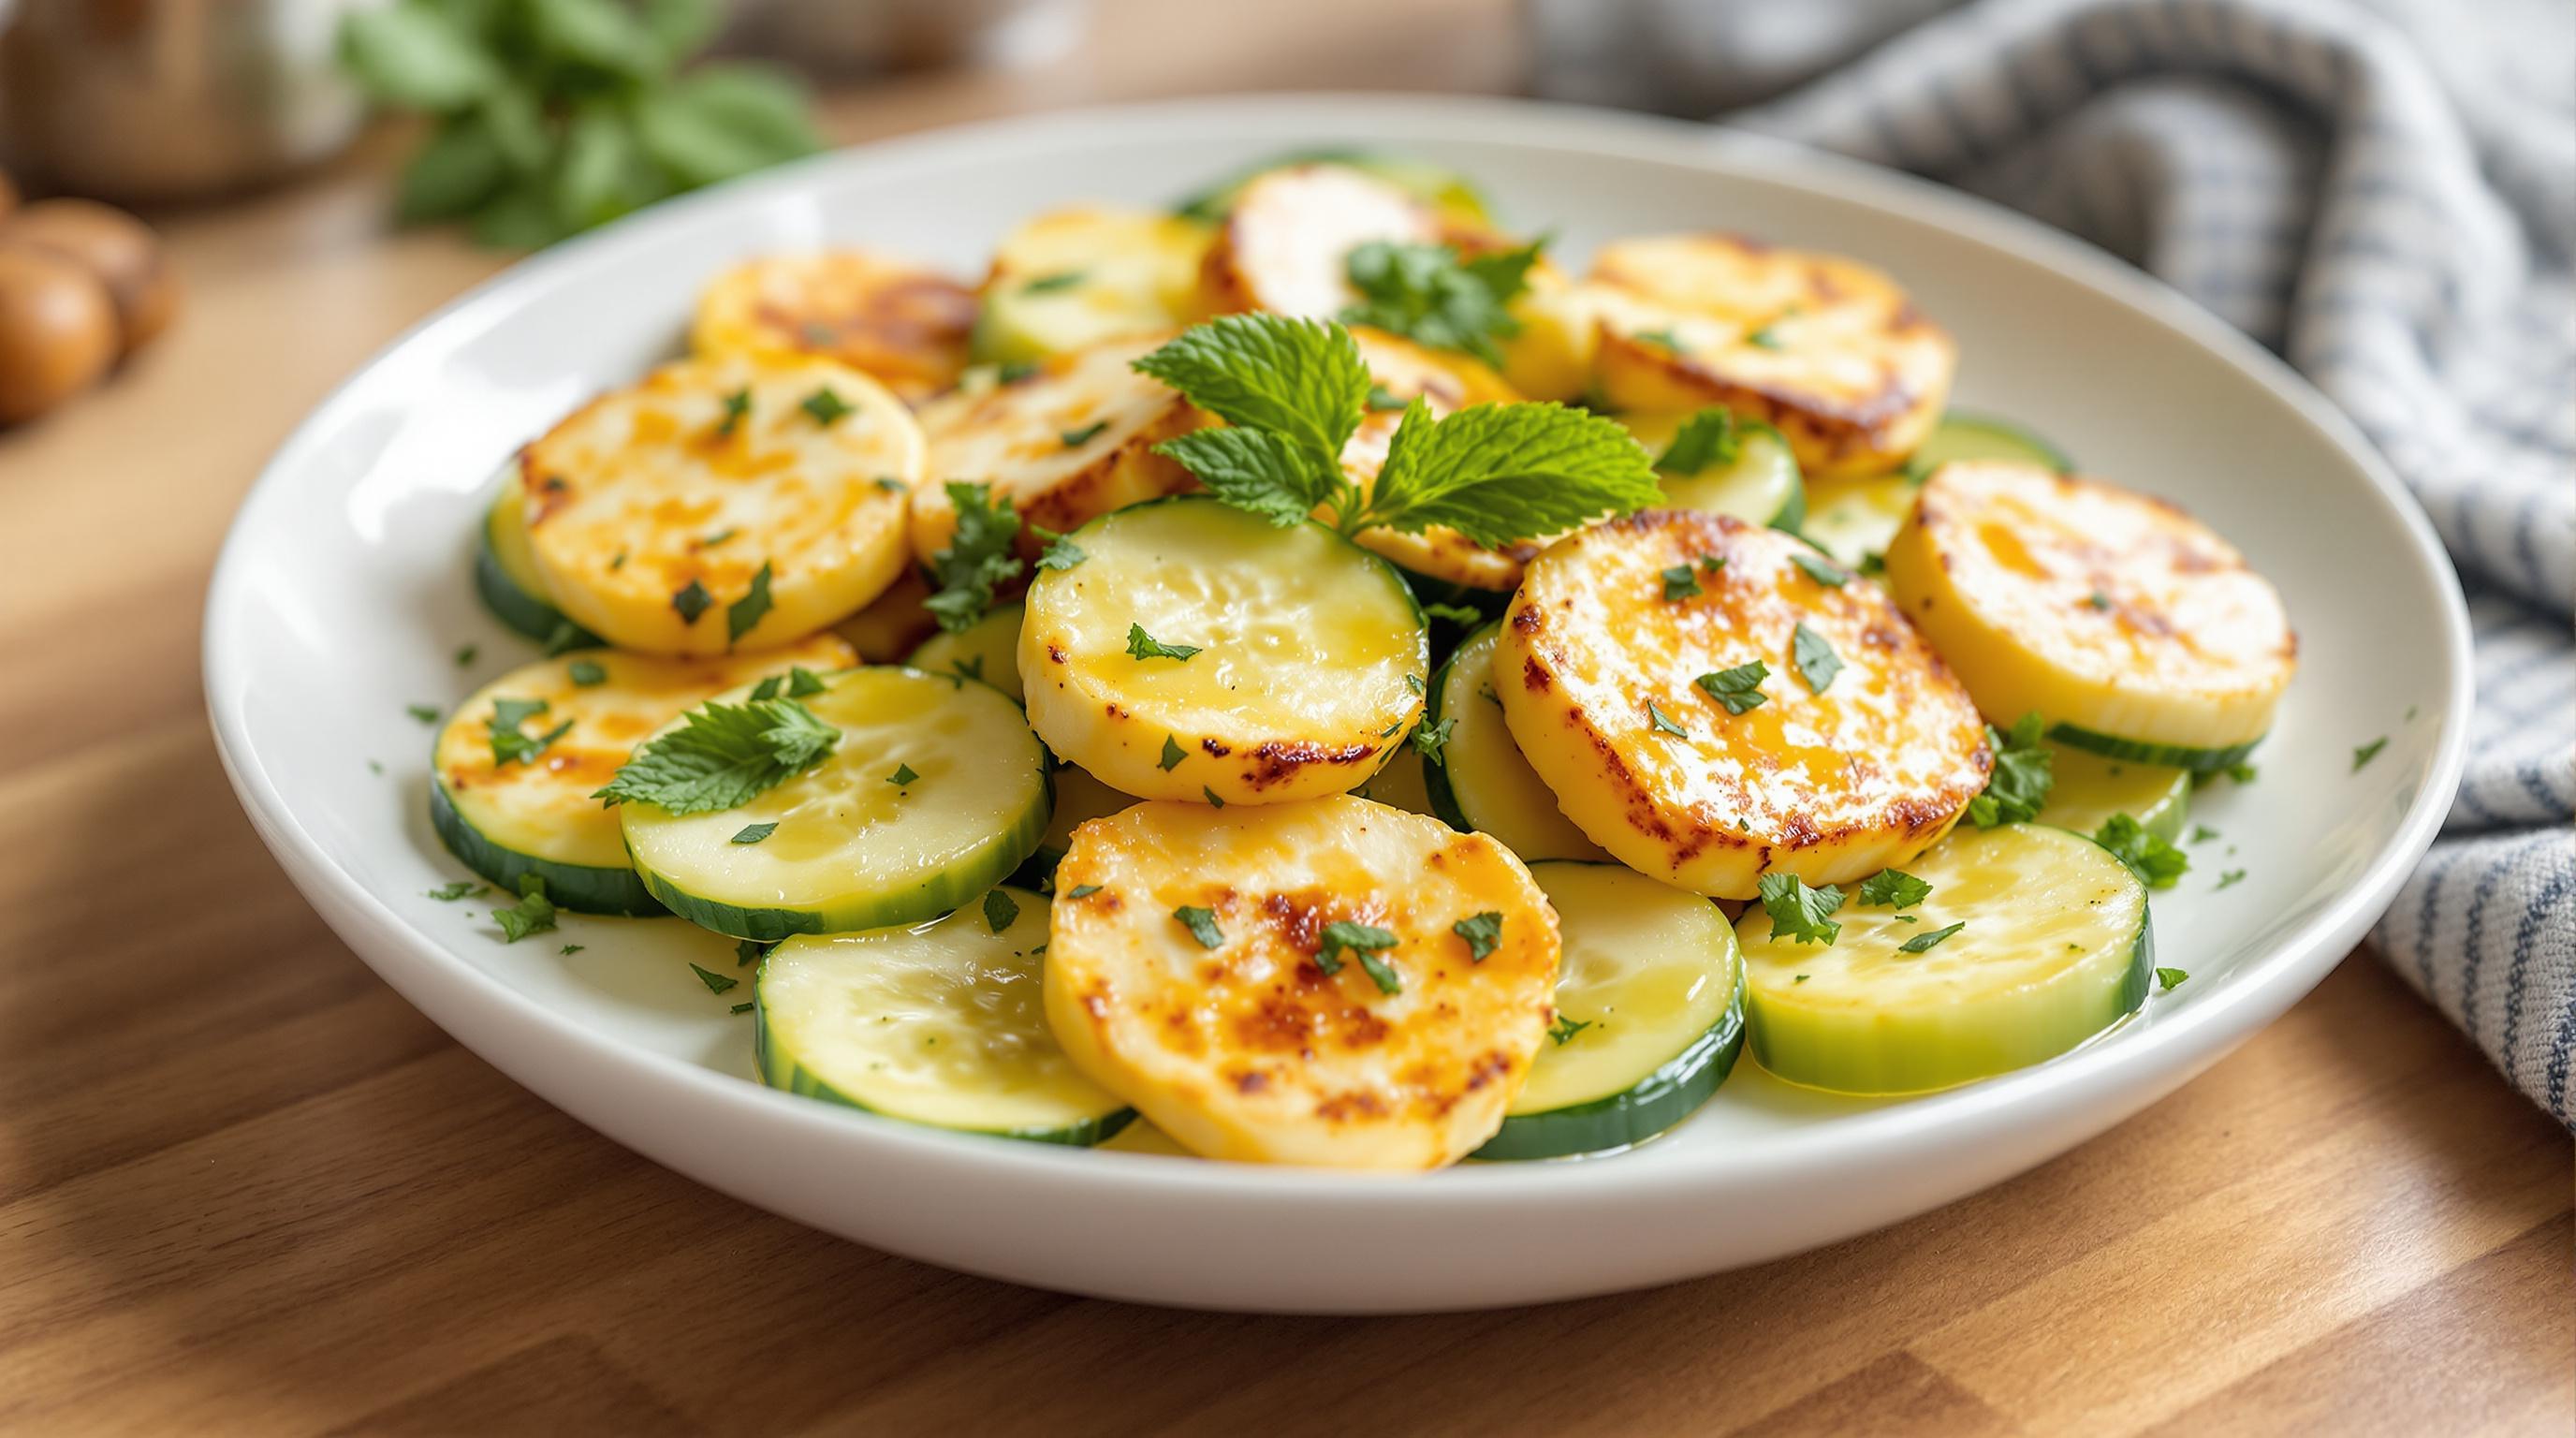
x=1199 y=650
x=1445 y=190
x=1852 y=519
x=854 y=849
x=2178 y=756
x=2089 y=789
x=537 y=816
x=1975 y=436
x=940 y=1023
x=988 y=651
x=505 y=574
x=2055 y=948
x=1650 y=1000
x=1759 y=486
x=1073 y=278
x=1480 y=781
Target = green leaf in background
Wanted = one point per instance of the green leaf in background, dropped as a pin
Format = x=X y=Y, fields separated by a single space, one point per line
x=521 y=217
x=602 y=174
x=600 y=33
x=721 y=121
x=517 y=120
x=458 y=169
x=413 y=55
x=681 y=27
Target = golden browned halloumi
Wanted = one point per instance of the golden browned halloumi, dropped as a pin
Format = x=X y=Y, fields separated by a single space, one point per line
x=1860 y=753
x=1189 y=973
x=905 y=325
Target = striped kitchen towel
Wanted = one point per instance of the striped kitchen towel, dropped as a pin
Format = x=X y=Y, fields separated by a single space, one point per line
x=2385 y=193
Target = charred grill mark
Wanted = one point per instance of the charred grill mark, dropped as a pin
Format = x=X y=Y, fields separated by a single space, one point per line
x=1214 y=747
x=1275 y=761
x=1348 y=1107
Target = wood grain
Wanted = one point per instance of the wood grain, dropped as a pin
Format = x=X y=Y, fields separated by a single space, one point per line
x=244 y=1188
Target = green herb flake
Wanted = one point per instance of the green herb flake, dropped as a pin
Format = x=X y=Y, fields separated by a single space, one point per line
x=746 y=1006
x=1000 y=910
x=1048 y=284
x=1763 y=338
x=1459 y=614
x=1202 y=925
x=569 y=950
x=826 y=407
x=716 y=983
x=1680 y=583
x=2098 y=600
x=533 y=914
x=425 y=713
x=891 y=485
x=2018 y=787
x=754 y=833
x=691 y=600
x=719 y=537
x=1709 y=438
x=2202 y=834
x=1061 y=553
x=1364 y=942
x=450 y=893
x=1924 y=943
x=617 y=561
x=723 y=756
x=1173 y=754
x=2168 y=979
x=1894 y=889
x=750 y=951
x=1799 y=912
x=745 y=614
x=1077 y=438
x=767 y=688
x=1565 y=1029
x=980 y=555
x=587 y=673
x=2368 y=752
x=1215 y=801
x=1082 y=891
x=1739 y=688
x=1820 y=569
x=1660 y=338
x=1817 y=663
x=2157 y=862
x=1382 y=400
x=803 y=683
x=1141 y=645
x=1431 y=739
x=2230 y=879
x=1436 y=295
x=1662 y=721
x=510 y=742
x=465 y=656
x=902 y=775
x=1481 y=931
x=1413 y=682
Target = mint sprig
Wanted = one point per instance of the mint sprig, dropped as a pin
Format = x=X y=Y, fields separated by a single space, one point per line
x=1436 y=296
x=723 y=756
x=979 y=556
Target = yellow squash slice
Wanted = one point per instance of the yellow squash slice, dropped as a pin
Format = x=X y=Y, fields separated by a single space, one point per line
x=1862 y=751
x=902 y=324
x=724 y=504
x=1191 y=974
x=1073 y=278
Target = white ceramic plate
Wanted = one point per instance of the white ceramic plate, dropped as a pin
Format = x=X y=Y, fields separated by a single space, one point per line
x=342 y=595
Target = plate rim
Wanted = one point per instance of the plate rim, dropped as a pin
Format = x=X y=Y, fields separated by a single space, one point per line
x=2182 y=1043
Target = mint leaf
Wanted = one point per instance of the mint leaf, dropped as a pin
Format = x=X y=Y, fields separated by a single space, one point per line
x=425 y=713
x=1253 y=470
x=2156 y=862
x=716 y=983
x=1434 y=296
x=803 y=683
x=903 y=775
x=827 y=407
x=586 y=672
x=1922 y=943
x=416 y=56
x=1894 y=889
x=1141 y=645
x=533 y=914
x=2017 y=789
x=1565 y=1029
x=744 y=614
x=1060 y=552
x=691 y=600
x=509 y=743
x=768 y=688
x=1680 y=582
x=1708 y=438
x=1202 y=925
x=2367 y=752
x=1301 y=380
x=723 y=756
x=1664 y=722
x=1799 y=912
x=1481 y=931
x=1739 y=688
x=1503 y=473
x=1082 y=891
x=1364 y=942
x=978 y=557
x=2168 y=979
x=1816 y=660
x=1173 y=754
x=1820 y=569
x=1431 y=739
x=754 y=833
x=1000 y=910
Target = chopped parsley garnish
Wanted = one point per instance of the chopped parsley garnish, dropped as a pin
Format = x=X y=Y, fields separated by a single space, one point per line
x=1434 y=295
x=1060 y=552
x=1763 y=338
x=745 y=613
x=586 y=672
x=826 y=407
x=1047 y=284
x=2202 y=834
x=1364 y=942
x=968 y=666
x=617 y=561
x=2098 y=600
x=1481 y=931
x=691 y=600
x=465 y=656
x=1014 y=371
x=768 y=688
x=2239 y=773
x=1820 y=569
x=1000 y=910
x=719 y=537
x=450 y=893
x=1565 y=1028
x=1459 y=614
x=2230 y=879
x=736 y=405
x=1710 y=437
x=1077 y=438
x=1663 y=721
x=891 y=485
x=746 y=1006
x=1173 y=754
x=1799 y=912
x=1214 y=800
x=1430 y=739
x=2154 y=859
x=1293 y=392
x=803 y=682
x=1413 y=682
x=1816 y=660
x=2368 y=752
x=754 y=833
x=2166 y=979
x=1739 y=688
x=1873 y=564
x=1662 y=338
x=1141 y=645
x=425 y=713
x=1082 y=891
x=533 y=914
x=978 y=557
x=1202 y=925
x=1921 y=943
x=510 y=744
x=1680 y=583
x=2018 y=787
x=1894 y=889
x=750 y=951
x=570 y=949
x=716 y=983
x=564 y=637
x=902 y=775
x=723 y=756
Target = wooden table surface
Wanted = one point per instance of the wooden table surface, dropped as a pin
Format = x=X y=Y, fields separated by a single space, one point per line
x=245 y=1188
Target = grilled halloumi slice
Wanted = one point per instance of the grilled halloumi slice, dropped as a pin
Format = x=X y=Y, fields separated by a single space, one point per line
x=903 y=325
x=1862 y=751
x=1285 y=245
x=1827 y=349
x=2132 y=627
x=735 y=503
x=1070 y=279
x=1189 y=973
x=1447 y=384
x=1070 y=442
